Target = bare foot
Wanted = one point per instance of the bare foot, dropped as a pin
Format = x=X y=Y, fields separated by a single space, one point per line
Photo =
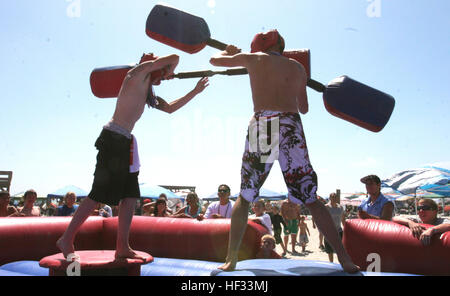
x=228 y=266
x=65 y=247
x=349 y=267
x=128 y=254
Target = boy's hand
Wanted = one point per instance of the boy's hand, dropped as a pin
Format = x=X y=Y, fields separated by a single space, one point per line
x=201 y=85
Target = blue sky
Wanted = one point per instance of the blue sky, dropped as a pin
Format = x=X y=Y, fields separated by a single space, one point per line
x=50 y=119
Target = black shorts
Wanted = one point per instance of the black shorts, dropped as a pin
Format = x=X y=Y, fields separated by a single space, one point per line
x=112 y=178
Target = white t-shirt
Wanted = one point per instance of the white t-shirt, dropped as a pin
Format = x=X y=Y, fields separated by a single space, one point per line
x=216 y=208
x=266 y=221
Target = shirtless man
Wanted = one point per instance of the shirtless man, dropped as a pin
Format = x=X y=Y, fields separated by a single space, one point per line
x=290 y=213
x=5 y=209
x=116 y=180
x=279 y=92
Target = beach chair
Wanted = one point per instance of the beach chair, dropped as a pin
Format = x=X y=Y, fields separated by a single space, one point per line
x=5 y=180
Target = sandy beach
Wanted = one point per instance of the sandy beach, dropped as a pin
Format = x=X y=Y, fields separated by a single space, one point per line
x=312 y=248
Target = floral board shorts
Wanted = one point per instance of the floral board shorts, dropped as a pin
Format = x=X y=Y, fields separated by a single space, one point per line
x=271 y=136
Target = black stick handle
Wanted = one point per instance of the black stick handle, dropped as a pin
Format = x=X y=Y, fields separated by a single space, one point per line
x=316 y=85
x=237 y=71
x=209 y=73
x=194 y=74
x=216 y=44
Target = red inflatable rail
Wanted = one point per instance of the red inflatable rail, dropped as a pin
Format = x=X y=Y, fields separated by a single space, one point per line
x=398 y=250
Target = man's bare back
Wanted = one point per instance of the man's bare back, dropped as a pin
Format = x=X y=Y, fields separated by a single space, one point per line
x=278 y=83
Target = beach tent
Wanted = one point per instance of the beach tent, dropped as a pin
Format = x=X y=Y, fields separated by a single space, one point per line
x=211 y=197
x=61 y=192
x=266 y=194
x=153 y=192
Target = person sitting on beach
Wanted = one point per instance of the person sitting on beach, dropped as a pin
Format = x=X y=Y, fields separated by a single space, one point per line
x=69 y=206
x=192 y=209
x=427 y=212
x=160 y=209
x=376 y=206
x=29 y=209
x=223 y=207
x=267 y=250
x=260 y=216
x=6 y=210
x=304 y=232
x=277 y=221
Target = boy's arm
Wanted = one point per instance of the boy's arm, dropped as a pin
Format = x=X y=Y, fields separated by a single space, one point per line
x=177 y=104
x=168 y=63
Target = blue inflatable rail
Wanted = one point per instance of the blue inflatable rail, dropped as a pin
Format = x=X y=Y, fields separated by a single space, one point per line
x=185 y=267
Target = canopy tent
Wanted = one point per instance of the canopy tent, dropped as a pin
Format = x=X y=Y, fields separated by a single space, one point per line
x=154 y=191
x=263 y=193
x=267 y=194
x=61 y=192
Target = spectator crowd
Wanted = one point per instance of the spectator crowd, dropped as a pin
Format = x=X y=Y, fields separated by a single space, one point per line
x=283 y=219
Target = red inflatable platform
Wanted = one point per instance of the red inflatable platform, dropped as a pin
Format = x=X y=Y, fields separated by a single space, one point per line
x=91 y=263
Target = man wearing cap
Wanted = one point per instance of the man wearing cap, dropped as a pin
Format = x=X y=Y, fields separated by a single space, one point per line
x=376 y=206
x=278 y=87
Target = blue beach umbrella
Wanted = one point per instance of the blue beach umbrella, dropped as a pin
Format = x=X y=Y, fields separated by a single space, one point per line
x=429 y=178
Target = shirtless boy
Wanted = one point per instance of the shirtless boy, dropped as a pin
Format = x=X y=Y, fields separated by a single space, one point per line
x=304 y=232
x=278 y=87
x=290 y=213
x=115 y=179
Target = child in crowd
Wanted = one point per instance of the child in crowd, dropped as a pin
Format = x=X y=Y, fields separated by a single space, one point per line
x=303 y=237
x=277 y=220
x=267 y=250
x=260 y=216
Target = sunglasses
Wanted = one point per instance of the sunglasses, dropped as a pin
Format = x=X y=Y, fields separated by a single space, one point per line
x=224 y=190
x=425 y=208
